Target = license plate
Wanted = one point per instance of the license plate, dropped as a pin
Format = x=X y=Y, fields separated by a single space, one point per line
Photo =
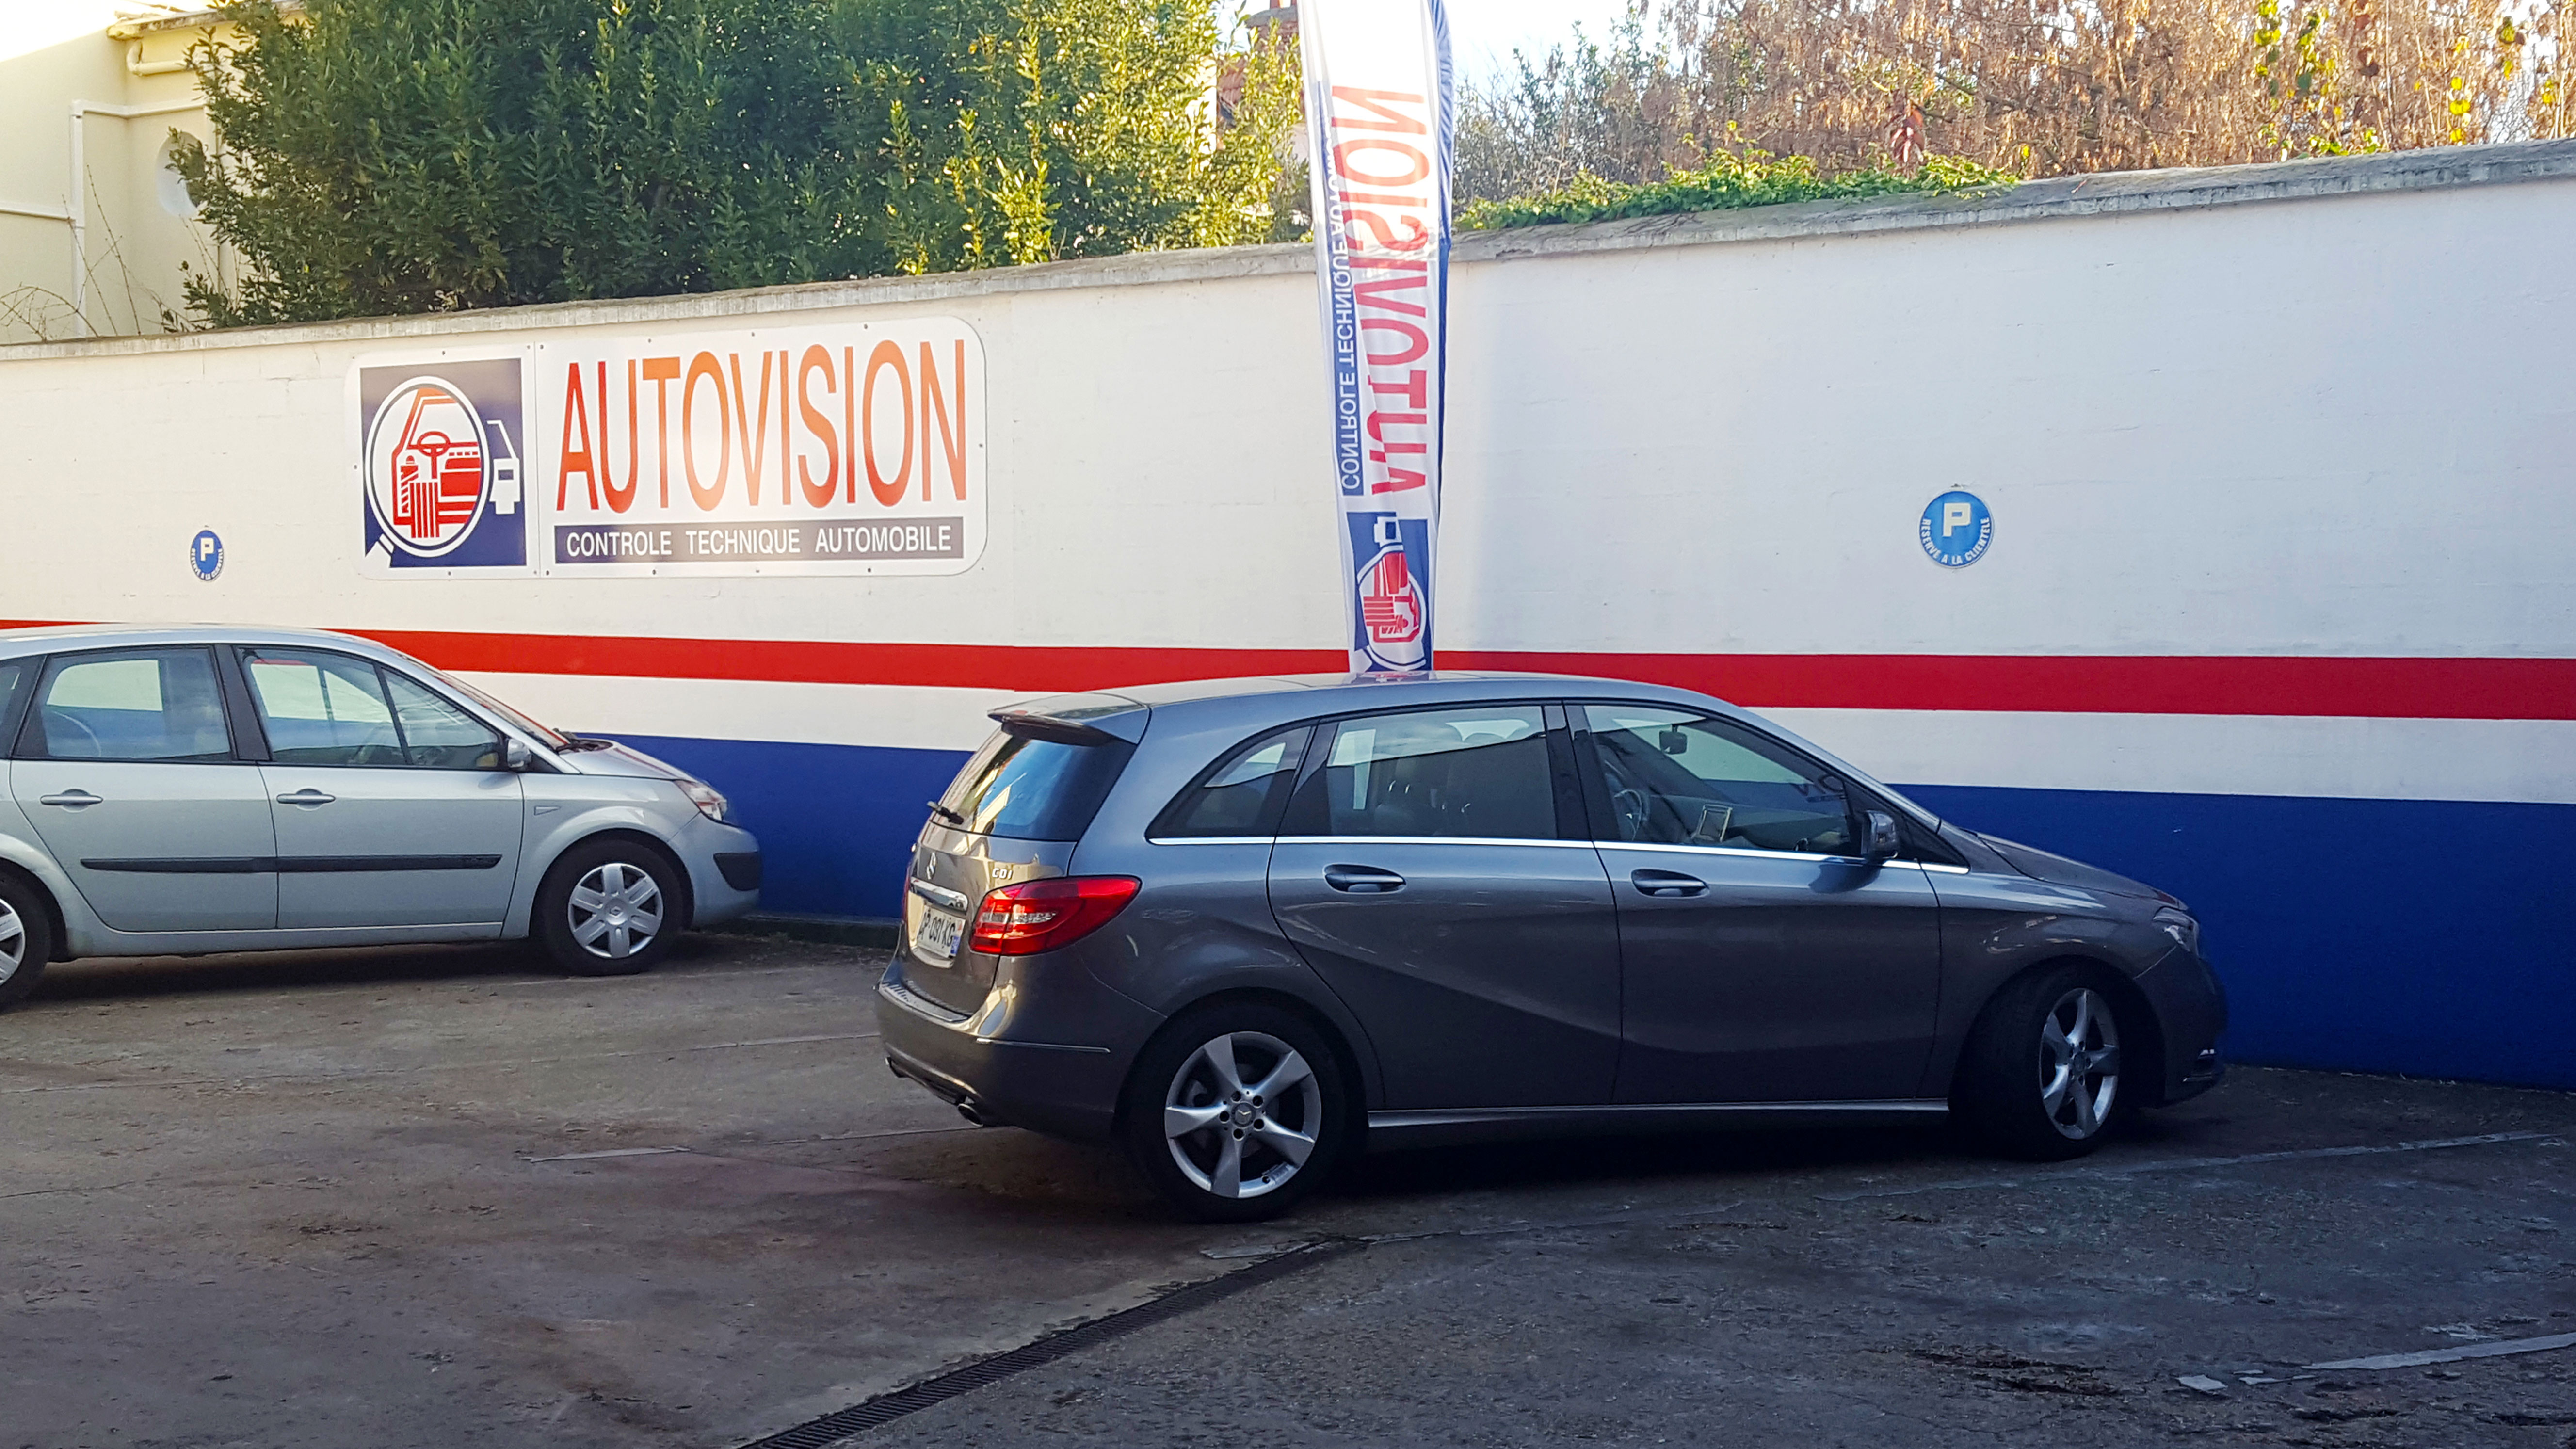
x=938 y=934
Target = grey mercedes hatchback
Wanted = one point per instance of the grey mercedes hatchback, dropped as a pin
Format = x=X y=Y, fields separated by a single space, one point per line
x=1246 y=927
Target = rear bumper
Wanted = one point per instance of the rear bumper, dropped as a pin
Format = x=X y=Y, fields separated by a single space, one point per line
x=1063 y=1088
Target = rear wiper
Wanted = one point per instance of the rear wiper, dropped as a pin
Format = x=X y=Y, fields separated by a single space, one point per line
x=575 y=744
x=944 y=813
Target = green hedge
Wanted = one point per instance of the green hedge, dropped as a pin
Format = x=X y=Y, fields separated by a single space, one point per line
x=1728 y=181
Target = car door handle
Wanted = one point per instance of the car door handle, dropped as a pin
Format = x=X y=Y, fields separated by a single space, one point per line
x=1667 y=883
x=1362 y=880
x=70 y=799
x=306 y=797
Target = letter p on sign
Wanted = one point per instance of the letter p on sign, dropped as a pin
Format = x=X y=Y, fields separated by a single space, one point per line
x=1954 y=516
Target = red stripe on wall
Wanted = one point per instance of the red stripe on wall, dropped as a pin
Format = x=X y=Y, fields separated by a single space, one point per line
x=2404 y=688
x=2386 y=688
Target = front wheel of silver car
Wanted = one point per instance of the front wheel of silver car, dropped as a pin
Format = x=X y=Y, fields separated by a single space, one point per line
x=1237 y=1111
x=608 y=908
x=2040 y=1074
x=26 y=939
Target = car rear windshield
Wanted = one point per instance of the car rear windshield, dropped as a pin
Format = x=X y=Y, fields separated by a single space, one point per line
x=1025 y=788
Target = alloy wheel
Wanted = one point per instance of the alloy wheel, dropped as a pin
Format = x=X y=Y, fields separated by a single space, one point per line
x=13 y=942
x=2079 y=1063
x=1242 y=1115
x=615 y=910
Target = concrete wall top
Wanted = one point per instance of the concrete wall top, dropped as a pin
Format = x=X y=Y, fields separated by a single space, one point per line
x=2063 y=198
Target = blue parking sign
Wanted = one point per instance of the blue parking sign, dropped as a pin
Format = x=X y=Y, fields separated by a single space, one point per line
x=1956 y=528
x=206 y=555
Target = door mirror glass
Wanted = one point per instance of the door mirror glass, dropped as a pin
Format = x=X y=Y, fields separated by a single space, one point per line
x=1884 y=841
x=514 y=755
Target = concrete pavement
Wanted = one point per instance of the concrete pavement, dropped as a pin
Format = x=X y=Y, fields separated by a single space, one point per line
x=442 y=1197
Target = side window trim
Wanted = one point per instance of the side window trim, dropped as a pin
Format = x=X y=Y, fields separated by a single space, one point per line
x=250 y=733
x=1597 y=805
x=22 y=709
x=239 y=695
x=1921 y=845
x=1305 y=797
x=30 y=728
x=1273 y=812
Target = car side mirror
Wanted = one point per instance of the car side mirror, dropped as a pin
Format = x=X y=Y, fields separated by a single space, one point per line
x=515 y=756
x=1883 y=841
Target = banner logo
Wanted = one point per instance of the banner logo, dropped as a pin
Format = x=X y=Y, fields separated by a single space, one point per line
x=439 y=460
x=1394 y=597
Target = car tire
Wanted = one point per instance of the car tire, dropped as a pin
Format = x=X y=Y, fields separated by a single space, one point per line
x=609 y=908
x=2040 y=1077
x=26 y=939
x=1253 y=1115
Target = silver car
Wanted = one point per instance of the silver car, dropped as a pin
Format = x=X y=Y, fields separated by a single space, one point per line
x=223 y=789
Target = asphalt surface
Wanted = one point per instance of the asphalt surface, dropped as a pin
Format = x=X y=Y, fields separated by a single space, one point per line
x=336 y=1199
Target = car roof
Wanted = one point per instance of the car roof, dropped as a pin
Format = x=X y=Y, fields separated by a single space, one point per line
x=1365 y=691
x=1270 y=701
x=56 y=638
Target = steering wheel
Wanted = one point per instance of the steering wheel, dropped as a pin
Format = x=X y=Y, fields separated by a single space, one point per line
x=1629 y=803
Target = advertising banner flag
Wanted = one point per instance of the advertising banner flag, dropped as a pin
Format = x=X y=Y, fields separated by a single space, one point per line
x=1379 y=124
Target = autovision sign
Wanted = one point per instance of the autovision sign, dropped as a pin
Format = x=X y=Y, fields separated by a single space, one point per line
x=848 y=449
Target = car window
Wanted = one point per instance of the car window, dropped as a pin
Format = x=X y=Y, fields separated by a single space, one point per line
x=436 y=734
x=13 y=676
x=1242 y=795
x=144 y=704
x=1024 y=788
x=1676 y=778
x=322 y=709
x=1470 y=771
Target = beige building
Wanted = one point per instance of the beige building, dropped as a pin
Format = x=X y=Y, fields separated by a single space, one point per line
x=94 y=225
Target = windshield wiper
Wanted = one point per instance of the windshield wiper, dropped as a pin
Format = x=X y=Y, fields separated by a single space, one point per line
x=944 y=813
x=575 y=744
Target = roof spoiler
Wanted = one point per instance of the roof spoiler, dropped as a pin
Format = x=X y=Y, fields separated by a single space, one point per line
x=1063 y=731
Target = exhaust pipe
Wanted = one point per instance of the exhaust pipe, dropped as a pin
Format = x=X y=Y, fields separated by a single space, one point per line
x=968 y=1110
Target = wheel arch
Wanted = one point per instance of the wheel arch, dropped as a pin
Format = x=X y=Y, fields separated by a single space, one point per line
x=1345 y=1054
x=645 y=838
x=54 y=922
x=2142 y=1044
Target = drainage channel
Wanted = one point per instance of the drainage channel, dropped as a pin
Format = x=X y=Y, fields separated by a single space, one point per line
x=886 y=1408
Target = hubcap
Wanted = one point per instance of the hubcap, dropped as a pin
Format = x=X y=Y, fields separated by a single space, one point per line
x=2079 y=1063
x=1242 y=1115
x=13 y=942
x=616 y=910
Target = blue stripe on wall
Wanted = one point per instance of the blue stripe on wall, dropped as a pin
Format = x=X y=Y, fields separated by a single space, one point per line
x=836 y=822
x=2424 y=937
x=2427 y=937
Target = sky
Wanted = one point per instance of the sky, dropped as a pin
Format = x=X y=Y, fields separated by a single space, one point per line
x=1482 y=33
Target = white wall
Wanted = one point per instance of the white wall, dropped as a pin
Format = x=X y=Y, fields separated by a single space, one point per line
x=2337 y=425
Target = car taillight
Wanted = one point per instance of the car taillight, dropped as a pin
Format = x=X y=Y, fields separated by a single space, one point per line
x=1042 y=915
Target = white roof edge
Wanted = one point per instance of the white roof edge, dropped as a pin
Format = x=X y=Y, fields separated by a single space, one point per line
x=2106 y=194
